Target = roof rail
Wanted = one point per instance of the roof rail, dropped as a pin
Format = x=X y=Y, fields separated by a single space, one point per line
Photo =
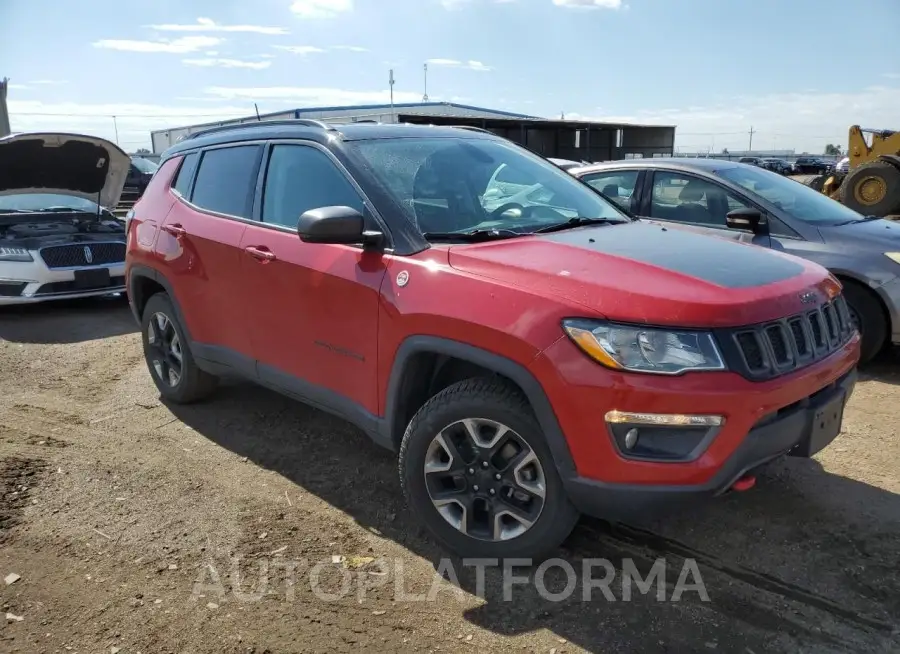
x=309 y=122
x=473 y=129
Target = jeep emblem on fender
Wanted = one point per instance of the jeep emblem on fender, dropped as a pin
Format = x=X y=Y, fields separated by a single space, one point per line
x=807 y=297
x=402 y=278
x=88 y=256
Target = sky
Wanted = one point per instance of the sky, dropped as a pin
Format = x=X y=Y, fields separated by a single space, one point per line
x=794 y=71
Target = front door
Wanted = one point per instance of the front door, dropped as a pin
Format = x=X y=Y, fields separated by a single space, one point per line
x=314 y=312
x=698 y=204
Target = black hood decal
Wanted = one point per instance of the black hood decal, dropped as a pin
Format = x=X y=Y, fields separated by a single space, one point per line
x=713 y=260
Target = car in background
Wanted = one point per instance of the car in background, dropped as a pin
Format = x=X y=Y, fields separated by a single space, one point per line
x=747 y=204
x=58 y=237
x=810 y=166
x=752 y=161
x=779 y=166
x=565 y=164
x=140 y=172
x=842 y=166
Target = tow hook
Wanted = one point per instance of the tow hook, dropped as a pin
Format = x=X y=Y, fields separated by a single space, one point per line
x=745 y=483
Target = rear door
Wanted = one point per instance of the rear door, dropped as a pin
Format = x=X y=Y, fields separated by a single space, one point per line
x=201 y=239
x=617 y=185
x=314 y=307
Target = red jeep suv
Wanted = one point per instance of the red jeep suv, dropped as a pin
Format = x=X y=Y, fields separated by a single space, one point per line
x=529 y=351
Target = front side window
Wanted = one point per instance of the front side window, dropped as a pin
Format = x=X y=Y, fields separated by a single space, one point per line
x=226 y=179
x=462 y=184
x=300 y=178
x=795 y=199
x=182 y=182
x=617 y=185
x=687 y=199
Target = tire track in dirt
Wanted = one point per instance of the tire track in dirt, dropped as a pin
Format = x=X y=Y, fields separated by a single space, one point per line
x=18 y=475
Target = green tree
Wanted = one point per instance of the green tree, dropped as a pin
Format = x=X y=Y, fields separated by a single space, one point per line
x=834 y=150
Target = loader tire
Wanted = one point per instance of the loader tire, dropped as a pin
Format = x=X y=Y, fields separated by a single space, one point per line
x=873 y=189
x=815 y=182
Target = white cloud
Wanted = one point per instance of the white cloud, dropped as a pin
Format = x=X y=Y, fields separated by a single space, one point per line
x=804 y=121
x=891 y=75
x=455 y=63
x=181 y=45
x=589 y=4
x=302 y=50
x=310 y=96
x=349 y=48
x=450 y=5
x=227 y=63
x=209 y=25
x=321 y=8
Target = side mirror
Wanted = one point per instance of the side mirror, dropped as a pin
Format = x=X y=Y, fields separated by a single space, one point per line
x=747 y=219
x=335 y=225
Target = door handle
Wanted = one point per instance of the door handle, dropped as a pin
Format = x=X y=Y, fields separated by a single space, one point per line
x=261 y=254
x=175 y=230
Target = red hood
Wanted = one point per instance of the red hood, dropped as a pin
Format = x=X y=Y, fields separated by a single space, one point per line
x=652 y=274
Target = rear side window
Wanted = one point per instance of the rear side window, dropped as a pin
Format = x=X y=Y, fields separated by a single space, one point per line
x=185 y=174
x=226 y=179
x=301 y=178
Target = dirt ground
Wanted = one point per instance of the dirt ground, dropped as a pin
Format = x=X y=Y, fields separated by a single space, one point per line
x=231 y=526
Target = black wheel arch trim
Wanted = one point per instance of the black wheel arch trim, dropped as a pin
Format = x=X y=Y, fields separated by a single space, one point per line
x=139 y=271
x=502 y=365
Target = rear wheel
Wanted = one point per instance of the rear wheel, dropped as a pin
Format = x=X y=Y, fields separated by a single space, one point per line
x=168 y=356
x=873 y=189
x=867 y=315
x=475 y=468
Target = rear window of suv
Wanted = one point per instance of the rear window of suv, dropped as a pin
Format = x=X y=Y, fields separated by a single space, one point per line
x=226 y=180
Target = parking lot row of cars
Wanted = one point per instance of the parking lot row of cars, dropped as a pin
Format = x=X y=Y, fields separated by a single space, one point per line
x=799 y=166
x=534 y=343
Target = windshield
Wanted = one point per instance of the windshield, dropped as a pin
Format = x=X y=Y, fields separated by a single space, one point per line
x=792 y=197
x=43 y=201
x=457 y=185
x=144 y=165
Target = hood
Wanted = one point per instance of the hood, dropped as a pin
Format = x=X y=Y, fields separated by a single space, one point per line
x=68 y=164
x=882 y=235
x=652 y=274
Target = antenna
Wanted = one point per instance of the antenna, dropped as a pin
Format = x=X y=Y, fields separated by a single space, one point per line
x=257 y=111
x=425 y=95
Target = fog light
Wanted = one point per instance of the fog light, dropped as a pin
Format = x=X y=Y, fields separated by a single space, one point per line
x=631 y=439
x=664 y=419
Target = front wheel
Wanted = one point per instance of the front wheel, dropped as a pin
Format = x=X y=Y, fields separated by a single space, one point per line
x=476 y=469
x=868 y=318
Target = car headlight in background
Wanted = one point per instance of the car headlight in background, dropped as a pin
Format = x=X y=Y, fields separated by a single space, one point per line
x=645 y=349
x=15 y=254
x=894 y=256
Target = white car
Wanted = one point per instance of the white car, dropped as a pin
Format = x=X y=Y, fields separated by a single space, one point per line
x=58 y=236
x=843 y=165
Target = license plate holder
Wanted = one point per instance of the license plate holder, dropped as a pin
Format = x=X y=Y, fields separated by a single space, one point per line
x=90 y=279
x=826 y=424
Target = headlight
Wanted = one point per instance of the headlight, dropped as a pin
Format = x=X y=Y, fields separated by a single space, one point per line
x=645 y=349
x=894 y=256
x=15 y=254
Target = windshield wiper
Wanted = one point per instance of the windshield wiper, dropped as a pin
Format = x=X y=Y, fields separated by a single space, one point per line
x=864 y=219
x=578 y=221
x=474 y=236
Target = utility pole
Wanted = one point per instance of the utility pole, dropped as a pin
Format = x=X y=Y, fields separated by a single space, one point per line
x=750 y=148
x=4 y=112
x=425 y=95
x=116 y=127
x=391 y=83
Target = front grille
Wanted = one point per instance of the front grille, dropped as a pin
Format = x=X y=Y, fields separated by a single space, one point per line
x=55 y=288
x=775 y=348
x=76 y=255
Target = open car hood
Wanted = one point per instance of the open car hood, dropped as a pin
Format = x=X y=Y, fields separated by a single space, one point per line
x=82 y=166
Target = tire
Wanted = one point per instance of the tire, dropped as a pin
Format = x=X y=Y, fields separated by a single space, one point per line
x=883 y=176
x=872 y=321
x=485 y=400
x=193 y=384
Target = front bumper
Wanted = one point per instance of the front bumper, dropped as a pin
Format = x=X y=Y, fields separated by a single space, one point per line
x=763 y=420
x=32 y=282
x=786 y=432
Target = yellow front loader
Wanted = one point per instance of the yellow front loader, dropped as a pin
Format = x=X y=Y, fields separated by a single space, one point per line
x=871 y=184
